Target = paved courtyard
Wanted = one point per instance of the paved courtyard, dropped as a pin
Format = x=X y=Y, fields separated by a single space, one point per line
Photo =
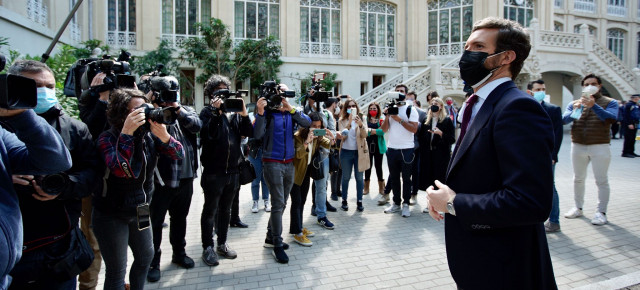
x=375 y=250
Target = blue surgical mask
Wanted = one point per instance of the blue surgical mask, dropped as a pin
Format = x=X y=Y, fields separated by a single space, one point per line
x=46 y=100
x=348 y=111
x=539 y=96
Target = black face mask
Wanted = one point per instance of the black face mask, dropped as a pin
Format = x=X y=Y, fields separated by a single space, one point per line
x=472 y=70
x=435 y=108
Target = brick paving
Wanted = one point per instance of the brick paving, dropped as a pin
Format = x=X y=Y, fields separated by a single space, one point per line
x=376 y=250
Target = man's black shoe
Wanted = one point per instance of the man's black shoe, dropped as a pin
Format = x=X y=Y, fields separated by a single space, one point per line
x=313 y=210
x=334 y=196
x=268 y=243
x=238 y=224
x=154 y=274
x=183 y=261
x=331 y=208
x=629 y=155
x=280 y=255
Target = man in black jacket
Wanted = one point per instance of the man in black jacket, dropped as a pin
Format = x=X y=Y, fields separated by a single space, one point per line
x=174 y=188
x=55 y=199
x=221 y=141
x=537 y=90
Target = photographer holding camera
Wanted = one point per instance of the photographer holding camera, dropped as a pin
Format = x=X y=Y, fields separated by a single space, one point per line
x=221 y=154
x=22 y=152
x=130 y=150
x=275 y=118
x=55 y=198
x=174 y=188
x=400 y=125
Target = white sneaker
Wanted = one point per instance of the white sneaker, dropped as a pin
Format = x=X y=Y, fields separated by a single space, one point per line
x=267 y=205
x=254 y=208
x=425 y=209
x=573 y=213
x=414 y=199
x=599 y=219
x=393 y=208
x=383 y=199
x=405 y=210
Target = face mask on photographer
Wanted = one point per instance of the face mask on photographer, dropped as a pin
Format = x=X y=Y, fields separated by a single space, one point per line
x=46 y=100
x=472 y=70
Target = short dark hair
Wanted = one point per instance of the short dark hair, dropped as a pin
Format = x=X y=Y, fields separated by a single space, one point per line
x=511 y=36
x=406 y=89
x=118 y=108
x=530 y=85
x=22 y=66
x=418 y=104
x=212 y=84
x=591 y=76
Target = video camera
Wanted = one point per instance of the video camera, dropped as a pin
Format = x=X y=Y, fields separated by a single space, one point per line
x=270 y=91
x=166 y=116
x=118 y=73
x=228 y=104
x=397 y=100
x=16 y=92
x=166 y=89
x=319 y=95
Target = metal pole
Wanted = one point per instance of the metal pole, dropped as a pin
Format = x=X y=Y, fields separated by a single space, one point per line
x=406 y=30
x=45 y=56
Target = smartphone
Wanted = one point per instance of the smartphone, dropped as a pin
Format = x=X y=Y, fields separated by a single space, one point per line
x=144 y=222
x=319 y=132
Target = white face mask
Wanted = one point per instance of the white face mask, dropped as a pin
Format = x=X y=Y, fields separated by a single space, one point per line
x=409 y=102
x=337 y=110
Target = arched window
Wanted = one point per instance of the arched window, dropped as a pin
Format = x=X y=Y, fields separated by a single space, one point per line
x=180 y=16
x=592 y=29
x=377 y=30
x=557 y=26
x=320 y=28
x=256 y=19
x=520 y=11
x=121 y=23
x=615 y=42
x=450 y=23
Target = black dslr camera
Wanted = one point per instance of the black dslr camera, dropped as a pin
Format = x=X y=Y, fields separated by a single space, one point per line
x=16 y=92
x=397 y=100
x=53 y=184
x=270 y=91
x=166 y=116
x=165 y=88
x=118 y=73
x=319 y=95
x=228 y=104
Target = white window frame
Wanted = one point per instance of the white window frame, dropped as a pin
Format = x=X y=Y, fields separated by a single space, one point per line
x=449 y=47
x=587 y=6
x=377 y=51
x=615 y=42
x=117 y=37
x=176 y=39
x=323 y=47
x=269 y=4
x=526 y=5
x=617 y=8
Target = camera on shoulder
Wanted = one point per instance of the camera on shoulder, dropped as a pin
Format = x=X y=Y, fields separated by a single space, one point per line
x=166 y=89
x=231 y=105
x=319 y=94
x=397 y=100
x=270 y=91
x=16 y=92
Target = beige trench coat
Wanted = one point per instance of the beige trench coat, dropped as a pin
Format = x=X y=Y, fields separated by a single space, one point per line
x=363 y=149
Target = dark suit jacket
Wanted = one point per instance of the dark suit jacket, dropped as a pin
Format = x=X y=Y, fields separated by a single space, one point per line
x=555 y=113
x=435 y=154
x=503 y=180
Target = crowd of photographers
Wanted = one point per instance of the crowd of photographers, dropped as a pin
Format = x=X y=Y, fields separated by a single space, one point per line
x=133 y=158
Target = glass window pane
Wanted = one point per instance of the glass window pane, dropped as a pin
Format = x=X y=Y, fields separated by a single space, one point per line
x=263 y=18
x=304 y=24
x=132 y=15
x=335 y=26
x=433 y=27
x=167 y=16
x=315 y=25
x=455 y=25
x=274 y=20
x=181 y=16
x=381 y=30
x=205 y=11
x=467 y=22
x=251 y=20
x=371 y=31
x=363 y=28
x=193 y=16
x=239 y=20
x=122 y=15
x=324 y=25
x=444 y=26
x=391 y=31
x=111 y=8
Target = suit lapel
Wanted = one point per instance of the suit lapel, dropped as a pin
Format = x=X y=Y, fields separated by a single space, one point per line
x=479 y=121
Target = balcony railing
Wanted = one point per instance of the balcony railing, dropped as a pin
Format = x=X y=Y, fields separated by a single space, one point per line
x=445 y=49
x=121 y=39
x=377 y=53
x=617 y=10
x=311 y=49
x=176 y=40
x=37 y=12
x=584 y=6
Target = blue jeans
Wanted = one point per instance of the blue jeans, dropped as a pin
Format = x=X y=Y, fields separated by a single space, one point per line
x=348 y=162
x=400 y=162
x=114 y=234
x=554 y=217
x=321 y=191
x=255 y=184
x=279 y=177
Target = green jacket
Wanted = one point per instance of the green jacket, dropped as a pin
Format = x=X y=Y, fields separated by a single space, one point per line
x=382 y=144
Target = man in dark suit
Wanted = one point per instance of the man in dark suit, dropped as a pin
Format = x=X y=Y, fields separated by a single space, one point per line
x=537 y=90
x=499 y=184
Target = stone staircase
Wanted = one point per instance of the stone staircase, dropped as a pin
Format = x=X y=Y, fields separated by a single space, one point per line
x=419 y=82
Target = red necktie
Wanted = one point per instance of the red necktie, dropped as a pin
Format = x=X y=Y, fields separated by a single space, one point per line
x=466 y=117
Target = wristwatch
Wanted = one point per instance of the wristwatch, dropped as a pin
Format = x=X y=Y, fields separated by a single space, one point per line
x=293 y=111
x=450 y=208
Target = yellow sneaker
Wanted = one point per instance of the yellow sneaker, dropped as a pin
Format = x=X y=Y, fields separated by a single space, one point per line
x=308 y=233
x=302 y=240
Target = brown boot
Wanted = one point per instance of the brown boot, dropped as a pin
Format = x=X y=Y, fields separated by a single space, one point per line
x=381 y=186
x=366 y=187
